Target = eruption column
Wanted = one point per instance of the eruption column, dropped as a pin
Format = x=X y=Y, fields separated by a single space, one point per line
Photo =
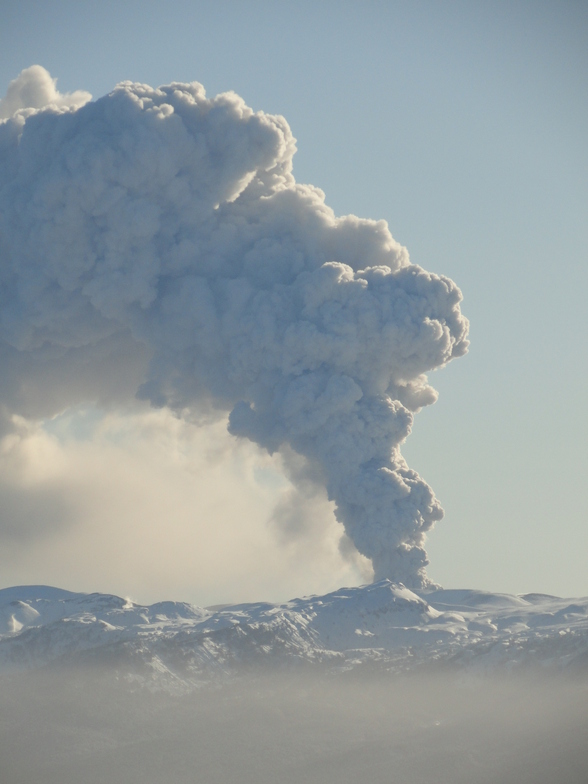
x=167 y=221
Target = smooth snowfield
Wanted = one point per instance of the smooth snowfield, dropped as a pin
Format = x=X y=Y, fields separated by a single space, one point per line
x=374 y=684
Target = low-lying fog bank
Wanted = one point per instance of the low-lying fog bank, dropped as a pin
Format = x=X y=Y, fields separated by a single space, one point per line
x=368 y=684
x=82 y=726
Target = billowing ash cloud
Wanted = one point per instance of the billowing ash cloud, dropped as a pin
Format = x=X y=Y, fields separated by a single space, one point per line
x=170 y=222
x=35 y=89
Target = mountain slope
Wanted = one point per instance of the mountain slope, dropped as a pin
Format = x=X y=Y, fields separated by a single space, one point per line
x=380 y=625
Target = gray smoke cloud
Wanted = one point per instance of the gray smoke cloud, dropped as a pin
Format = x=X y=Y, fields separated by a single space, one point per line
x=165 y=225
x=34 y=88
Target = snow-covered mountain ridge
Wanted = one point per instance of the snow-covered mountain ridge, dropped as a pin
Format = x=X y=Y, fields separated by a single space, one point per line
x=383 y=625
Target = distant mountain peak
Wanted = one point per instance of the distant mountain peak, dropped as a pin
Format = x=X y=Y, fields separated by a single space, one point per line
x=382 y=624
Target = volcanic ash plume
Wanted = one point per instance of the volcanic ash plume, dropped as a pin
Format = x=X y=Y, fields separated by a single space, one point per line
x=161 y=223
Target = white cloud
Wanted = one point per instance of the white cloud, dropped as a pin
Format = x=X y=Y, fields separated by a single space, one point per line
x=34 y=88
x=144 y=504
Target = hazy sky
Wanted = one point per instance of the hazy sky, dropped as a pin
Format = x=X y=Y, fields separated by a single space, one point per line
x=464 y=125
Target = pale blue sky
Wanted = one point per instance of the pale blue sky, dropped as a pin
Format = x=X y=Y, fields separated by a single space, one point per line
x=464 y=124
